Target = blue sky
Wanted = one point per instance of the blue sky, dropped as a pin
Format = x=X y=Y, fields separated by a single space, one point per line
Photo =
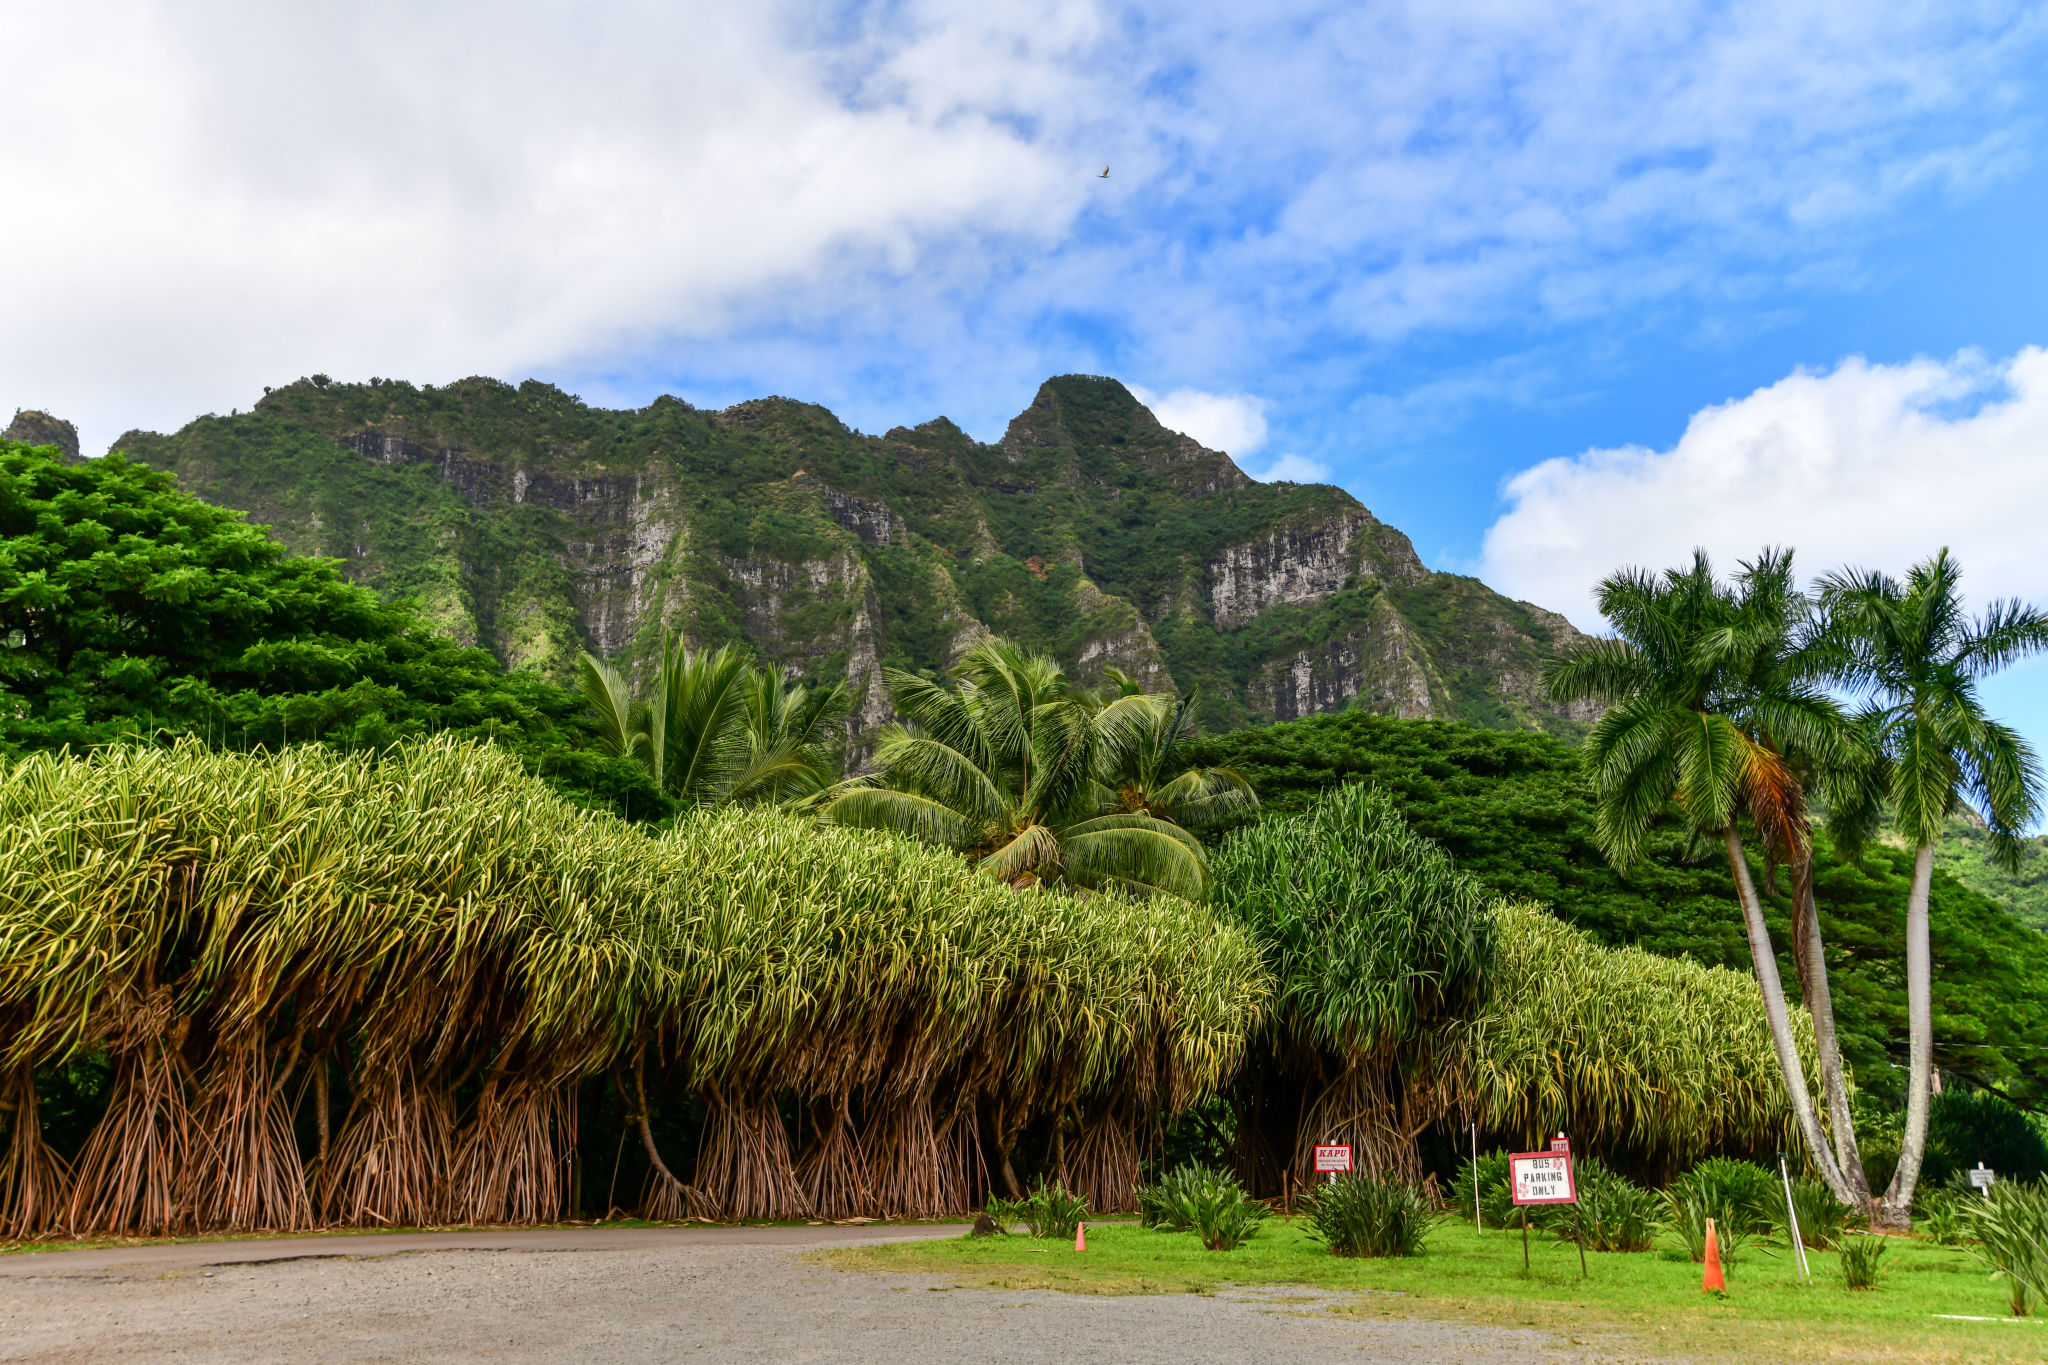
x=1550 y=287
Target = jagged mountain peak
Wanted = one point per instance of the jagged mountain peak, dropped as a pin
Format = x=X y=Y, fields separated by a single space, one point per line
x=537 y=526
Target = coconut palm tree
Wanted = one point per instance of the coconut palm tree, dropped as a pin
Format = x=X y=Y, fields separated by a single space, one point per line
x=1143 y=772
x=1007 y=766
x=715 y=729
x=1704 y=709
x=1918 y=656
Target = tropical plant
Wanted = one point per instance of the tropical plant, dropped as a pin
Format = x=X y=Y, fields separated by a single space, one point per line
x=451 y=949
x=1207 y=1202
x=1494 y=1199
x=1620 y=1047
x=1006 y=766
x=1861 y=1257
x=1823 y=1219
x=1362 y=1215
x=1050 y=1211
x=1711 y=711
x=1378 y=944
x=1918 y=657
x=1612 y=1214
x=1145 y=768
x=1736 y=1195
x=714 y=728
x=2011 y=1228
x=1944 y=1216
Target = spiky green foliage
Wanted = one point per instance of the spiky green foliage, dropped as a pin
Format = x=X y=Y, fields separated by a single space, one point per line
x=1050 y=1211
x=1009 y=766
x=1658 y=1057
x=1612 y=1213
x=1862 y=1260
x=1378 y=943
x=228 y=929
x=2011 y=1228
x=1823 y=1221
x=1207 y=1202
x=1492 y=1199
x=1362 y=1215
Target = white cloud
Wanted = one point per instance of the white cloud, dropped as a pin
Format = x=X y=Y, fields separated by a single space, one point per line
x=1870 y=465
x=1231 y=422
x=844 y=201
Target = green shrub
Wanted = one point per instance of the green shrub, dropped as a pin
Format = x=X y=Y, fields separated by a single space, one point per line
x=1823 y=1219
x=2011 y=1228
x=1860 y=1255
x=1207 y=1202
x=1968 y=1126
x=1613 y=1214
x=1496 y=1199
x=1944 y=1215
x=1735 y=1194
x=1048 y=1211
x=1357 y=1215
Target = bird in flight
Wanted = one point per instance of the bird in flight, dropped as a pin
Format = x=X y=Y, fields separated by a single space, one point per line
x=1104 y=175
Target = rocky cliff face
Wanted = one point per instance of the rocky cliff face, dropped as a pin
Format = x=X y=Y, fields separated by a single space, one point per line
x=537 y=527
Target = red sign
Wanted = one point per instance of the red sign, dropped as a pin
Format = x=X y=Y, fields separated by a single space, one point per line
x=1560 y=1144
x=1543 y=1178
x=1337 y=1158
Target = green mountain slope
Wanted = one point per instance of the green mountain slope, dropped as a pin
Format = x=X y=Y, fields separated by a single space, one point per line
x=534 y=525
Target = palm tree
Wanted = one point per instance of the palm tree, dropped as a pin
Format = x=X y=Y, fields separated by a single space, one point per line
x=1917 y=656
x=1707 y=699
x=1008 y=767
x=715 y=729
x=1143 y=772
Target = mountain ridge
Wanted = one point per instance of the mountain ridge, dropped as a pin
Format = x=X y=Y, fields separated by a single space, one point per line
x=530 y=523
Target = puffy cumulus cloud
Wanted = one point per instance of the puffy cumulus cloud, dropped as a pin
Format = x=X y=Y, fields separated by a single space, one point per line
x=901 y=198
x=1870 y=465
x=1231 y=422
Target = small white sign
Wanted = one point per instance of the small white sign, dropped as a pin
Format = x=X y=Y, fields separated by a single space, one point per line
x=1983 y=1179
x=1334 y=1158
x=1543 y=1178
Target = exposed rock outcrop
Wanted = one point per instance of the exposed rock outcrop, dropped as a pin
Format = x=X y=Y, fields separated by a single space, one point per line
x=33 y=428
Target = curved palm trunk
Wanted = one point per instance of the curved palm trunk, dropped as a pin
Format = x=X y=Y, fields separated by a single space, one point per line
x=1896 y=1211
x=1765 y=959
x=1810 y=956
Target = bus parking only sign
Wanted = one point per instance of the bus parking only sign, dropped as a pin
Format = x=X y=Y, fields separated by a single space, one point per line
x=1543 y=1178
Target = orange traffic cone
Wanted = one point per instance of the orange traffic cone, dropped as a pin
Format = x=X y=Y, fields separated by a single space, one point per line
x=1080 y=1236
x=1712 y=1279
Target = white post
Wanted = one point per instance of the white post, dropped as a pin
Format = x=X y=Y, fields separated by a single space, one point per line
x=1478 y=1223
x=1798 y=1242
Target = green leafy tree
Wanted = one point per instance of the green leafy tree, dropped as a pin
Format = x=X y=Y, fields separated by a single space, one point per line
x=1703 y=709
x=132 y=611
x=1007 y=766
x=1918 y=656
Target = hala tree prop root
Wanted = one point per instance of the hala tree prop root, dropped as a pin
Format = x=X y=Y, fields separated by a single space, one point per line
x=391 y=1165
x=512 y=1163
x=963 y=1173
x=744 y=1166
x=833 y=1172
x=902 y=1153
x=1102 y=1165
x=133 y=1172
x=1363 y=1108
x=34 y=1184
x=257 y=1180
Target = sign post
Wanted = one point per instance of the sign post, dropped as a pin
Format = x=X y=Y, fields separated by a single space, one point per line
x=1545 y=1178
x=1333 y=1157
x=1983 y=1179
x=1478 y=1223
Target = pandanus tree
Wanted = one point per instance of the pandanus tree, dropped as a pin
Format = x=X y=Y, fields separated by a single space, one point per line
x=1012 y=766
x=1917 y=656
x=1716 y=703
x=715 y=729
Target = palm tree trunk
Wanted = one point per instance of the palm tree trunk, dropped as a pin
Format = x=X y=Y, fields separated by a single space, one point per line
x=1765 y=959
x=1897 y=1208
x=1813 y=986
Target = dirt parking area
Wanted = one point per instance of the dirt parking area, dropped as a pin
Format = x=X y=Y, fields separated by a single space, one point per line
x=616 y=1296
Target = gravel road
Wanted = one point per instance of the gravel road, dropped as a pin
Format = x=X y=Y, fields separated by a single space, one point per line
x=611 y=1296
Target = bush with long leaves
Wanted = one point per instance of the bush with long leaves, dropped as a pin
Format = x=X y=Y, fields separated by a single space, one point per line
x=1207 y=1202
x=2011 y=1228
x=446 y=948
x=1362 y=1215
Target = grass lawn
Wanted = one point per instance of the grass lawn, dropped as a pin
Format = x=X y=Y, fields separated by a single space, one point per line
x=1644 y=1303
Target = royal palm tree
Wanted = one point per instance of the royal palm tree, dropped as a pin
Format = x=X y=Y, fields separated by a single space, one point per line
x=714 y=729
x=1008 y=766
x=1709 y=711
x=1918 y=656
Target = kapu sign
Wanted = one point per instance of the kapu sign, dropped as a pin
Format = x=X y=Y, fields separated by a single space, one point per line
x=1543 y=1178
x=1334 y=1157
